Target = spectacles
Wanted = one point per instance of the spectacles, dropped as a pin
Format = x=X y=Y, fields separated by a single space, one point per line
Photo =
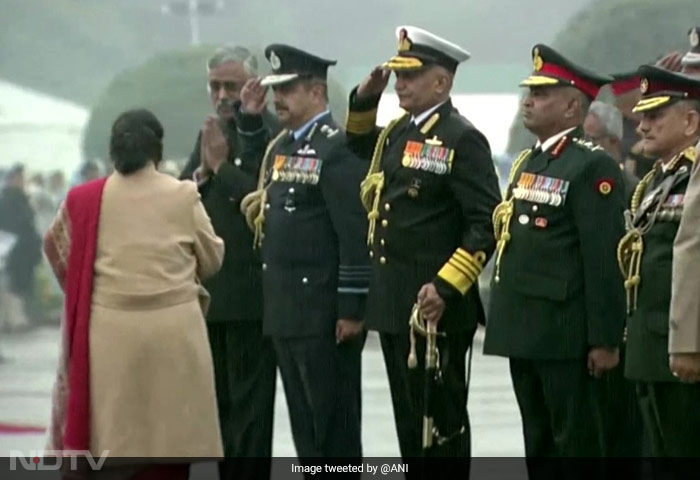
x=230 y=87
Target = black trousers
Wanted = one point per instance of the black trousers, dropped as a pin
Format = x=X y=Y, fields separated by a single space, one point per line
x=245 y=374
x=622 y=420
x=561 y=417
x=407 y=396
x=322 y=383
x=671 y=413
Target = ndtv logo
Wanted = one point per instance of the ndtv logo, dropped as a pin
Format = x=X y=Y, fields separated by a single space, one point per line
x=53 y=459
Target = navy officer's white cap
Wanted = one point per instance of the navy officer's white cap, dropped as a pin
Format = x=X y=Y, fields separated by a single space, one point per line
x=419 y=48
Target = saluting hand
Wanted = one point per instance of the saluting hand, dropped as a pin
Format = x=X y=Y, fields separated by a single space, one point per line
x=685 y=366
x=253 y=97
x=431 y=304
x=601 y=359
x=214 y=144
x=374 y=84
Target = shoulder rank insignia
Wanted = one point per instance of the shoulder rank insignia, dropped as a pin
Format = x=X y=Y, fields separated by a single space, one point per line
x=586 y=144
x=427 y=156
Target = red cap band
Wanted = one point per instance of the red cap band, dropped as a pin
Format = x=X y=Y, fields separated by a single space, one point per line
x=587 y=87
x=620 y=87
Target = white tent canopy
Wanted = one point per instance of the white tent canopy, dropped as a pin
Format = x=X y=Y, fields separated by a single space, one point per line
x=42 y=132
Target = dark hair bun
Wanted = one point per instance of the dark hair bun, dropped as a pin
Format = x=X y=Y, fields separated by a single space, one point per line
x=137 y=138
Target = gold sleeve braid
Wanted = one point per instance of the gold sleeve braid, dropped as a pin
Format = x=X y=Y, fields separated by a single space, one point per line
x=253 y=204
x=360 y=123
x=463 y=269
x=503 y=213
x=371 y=187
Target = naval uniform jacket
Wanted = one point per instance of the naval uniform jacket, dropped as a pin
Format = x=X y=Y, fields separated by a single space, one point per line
x=315 y=263
x=556 y=290
x=434 y=214
x=236 y=291
x=648 y=325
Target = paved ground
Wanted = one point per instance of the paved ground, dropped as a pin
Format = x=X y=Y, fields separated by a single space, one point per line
x=27 y=370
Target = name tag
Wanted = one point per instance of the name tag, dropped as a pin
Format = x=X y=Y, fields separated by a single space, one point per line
x=430 y=158
x=541 y=189
x=297 y=169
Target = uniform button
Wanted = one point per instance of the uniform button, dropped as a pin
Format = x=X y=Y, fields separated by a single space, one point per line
x=385 y=223
x=371 y=254
x=264 y=266
x=237 y=162
x=267 y=206
x=534 y=208
x=382 y=242
x=291 y=190
x=387 y=207
x=304 y=280
x=382 y=260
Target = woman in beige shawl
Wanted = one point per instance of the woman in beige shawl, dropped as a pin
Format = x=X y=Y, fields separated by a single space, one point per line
x=135 y=376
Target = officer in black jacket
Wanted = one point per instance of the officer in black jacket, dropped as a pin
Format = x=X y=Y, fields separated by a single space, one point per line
x=308 y=218
x=226 y=169
x=430 y=192
x=670 y=127
x=557 y=304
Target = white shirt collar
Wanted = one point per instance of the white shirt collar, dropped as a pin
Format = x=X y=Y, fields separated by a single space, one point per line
x=417 y=120
x=301 y=131
x=551 y=141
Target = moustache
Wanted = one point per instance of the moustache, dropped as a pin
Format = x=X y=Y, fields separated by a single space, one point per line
x=280 y=106
x=227 y=104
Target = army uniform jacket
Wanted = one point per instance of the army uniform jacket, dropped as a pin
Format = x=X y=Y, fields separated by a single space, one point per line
x=431 y=220
x=656 y=212
x=236 y=291
x=315 y=264
x=556 y=290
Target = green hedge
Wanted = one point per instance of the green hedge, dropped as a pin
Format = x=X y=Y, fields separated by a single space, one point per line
x=619 y=35
x=173 y=86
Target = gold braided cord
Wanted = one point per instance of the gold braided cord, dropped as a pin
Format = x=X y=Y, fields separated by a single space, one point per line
x=631 y=247
x=373 y=184
x=503 y=213
x=253 y=204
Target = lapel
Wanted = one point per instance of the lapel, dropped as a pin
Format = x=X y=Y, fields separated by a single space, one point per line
x=406 y=131
x=540 y=162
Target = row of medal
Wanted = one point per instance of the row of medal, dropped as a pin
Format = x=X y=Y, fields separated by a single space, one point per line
x=430 y=158
x=297 y=169
x=672 y=209
x=541 y=189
